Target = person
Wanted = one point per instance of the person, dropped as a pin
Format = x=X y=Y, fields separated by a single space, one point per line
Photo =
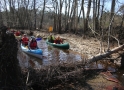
x=51 y=38
x=58 y=40
x=17 y=33
x=30 y=33
x=24 y=40
x=33 y=43
x=8 y=31
x=13 y=31
x=38 y=36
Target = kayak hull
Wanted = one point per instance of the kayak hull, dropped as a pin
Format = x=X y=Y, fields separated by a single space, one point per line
x=62 y=46
x=36 y=52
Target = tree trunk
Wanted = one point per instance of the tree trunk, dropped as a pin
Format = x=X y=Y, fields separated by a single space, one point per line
x=1 y=19
x=111 y=22
x=94 y=15
x=122 y=61
x=60 y=16
x=34 y=14
x=41 y=21
x=101 y=27
x=83 y=12
x=99 y=57
x=87 y=15
x=10 y=72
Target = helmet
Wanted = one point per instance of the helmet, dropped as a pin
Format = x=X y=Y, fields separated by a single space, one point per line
x=25 y=35
x=32 y=37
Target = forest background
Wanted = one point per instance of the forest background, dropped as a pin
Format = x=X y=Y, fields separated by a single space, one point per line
x=101 y=19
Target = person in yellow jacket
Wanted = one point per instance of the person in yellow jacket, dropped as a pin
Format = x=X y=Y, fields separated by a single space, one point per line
x=51 y=39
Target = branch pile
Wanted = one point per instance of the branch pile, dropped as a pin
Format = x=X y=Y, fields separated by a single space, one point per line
x=59 y=76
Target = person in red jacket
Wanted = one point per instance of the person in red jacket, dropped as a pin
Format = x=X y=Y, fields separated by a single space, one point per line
x=17 y=33
x=13 y=31
x=58 y=40
x=24 y=40
x=33 y=43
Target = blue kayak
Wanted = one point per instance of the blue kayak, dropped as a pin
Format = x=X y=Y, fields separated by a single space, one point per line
x=33 y=52
x=38 y=39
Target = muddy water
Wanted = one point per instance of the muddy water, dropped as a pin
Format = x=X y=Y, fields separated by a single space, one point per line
x=50 y=56
x=53 y=55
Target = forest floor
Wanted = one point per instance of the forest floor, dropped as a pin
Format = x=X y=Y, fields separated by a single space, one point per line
x=88 y=47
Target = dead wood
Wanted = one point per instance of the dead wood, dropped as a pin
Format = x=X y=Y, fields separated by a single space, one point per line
x=55 y=75
x=105 y=55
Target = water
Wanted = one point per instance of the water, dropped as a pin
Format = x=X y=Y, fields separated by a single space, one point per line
x=53 y=56
x=120 y=75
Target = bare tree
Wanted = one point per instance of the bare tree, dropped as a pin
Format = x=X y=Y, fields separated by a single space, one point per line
x=94 y=14
x=87 y=15
x=41 y=21
x=101 y=27
x=7 y=16
x=122 y=11
x=60 y=15
x=83 y=12
x=111 y=20
x=1 y=18
x=34 y=14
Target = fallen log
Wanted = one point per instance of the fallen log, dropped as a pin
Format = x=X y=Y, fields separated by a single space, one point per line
x=108 y=53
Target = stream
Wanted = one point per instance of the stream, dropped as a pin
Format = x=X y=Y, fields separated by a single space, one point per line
x=52 y=56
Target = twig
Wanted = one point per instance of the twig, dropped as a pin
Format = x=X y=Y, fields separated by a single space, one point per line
x=116 y=39
x=27 y=78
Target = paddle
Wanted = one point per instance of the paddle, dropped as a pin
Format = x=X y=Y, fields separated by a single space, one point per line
x=28 y=47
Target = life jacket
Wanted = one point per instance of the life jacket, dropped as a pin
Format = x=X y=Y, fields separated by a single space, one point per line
x=25 y=40
x=51 y=39
x=58 y=41
x=17 y=33
x=13 y=31
x=33 y=44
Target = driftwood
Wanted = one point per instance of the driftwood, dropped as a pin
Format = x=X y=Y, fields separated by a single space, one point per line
x=54 y=76
x=99 y=57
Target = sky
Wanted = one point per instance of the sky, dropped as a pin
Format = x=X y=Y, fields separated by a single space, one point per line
x=108 y=4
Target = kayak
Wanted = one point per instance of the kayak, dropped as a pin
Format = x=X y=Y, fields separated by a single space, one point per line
x=38 y=39
x=33 y=52
x=62 y=46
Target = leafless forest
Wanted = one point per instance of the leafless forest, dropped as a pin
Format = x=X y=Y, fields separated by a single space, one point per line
x=90 y=18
